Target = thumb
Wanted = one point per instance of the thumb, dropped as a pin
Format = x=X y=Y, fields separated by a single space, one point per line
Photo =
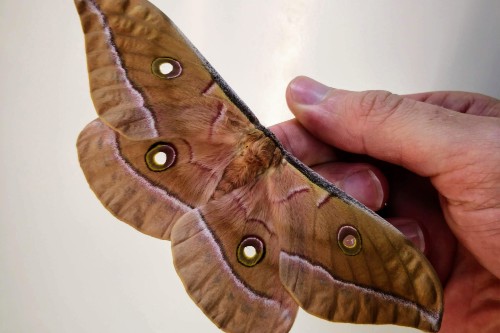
x=459 y=152
x=421 y=137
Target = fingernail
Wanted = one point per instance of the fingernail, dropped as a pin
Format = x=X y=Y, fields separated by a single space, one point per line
x=412 y=230
x=307 y=91
x=365 y=186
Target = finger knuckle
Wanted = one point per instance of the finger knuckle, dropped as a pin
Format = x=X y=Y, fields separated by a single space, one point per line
x=377 y=106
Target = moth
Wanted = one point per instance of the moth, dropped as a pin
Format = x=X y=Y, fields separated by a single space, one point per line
x=254 y=232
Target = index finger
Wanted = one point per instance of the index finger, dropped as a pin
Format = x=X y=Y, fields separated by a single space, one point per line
x=464 y=102
x=302 y=144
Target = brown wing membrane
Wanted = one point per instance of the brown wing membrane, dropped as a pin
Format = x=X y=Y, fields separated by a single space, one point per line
x=188 y=112
x=126 y=41
x=343 y=263
x=177 y=155
x=127 y=193
x=208 y=250
x=381 y=279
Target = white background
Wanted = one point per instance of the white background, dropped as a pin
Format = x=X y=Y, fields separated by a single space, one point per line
x=66 y=265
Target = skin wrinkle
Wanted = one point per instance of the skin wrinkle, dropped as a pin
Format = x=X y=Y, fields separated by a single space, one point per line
x=478 y=104
x=310 y=176
x=482 y=290
x=462 y=106
x=473 y=194
x=459 y=145
x=477 y=227
x=371 y=104
x=468 y=104
x=460 y=230
x=347 y=105
x=384 y=108
x=493 y=110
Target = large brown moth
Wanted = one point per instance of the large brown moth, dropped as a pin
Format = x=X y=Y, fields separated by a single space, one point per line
x=255 y=233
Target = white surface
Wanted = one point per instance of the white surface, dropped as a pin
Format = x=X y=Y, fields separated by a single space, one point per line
x=66 y=265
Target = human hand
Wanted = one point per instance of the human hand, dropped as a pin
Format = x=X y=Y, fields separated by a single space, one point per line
x=439 y=155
